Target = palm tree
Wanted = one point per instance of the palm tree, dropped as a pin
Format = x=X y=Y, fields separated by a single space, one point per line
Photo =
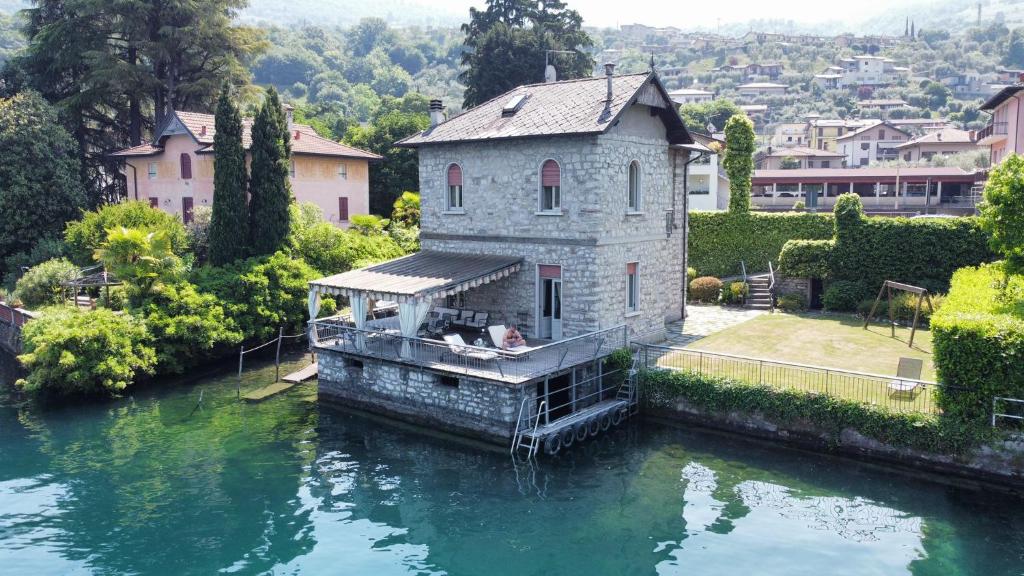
x=139 y=257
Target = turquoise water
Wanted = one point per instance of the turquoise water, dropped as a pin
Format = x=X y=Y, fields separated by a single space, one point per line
x=152 y=485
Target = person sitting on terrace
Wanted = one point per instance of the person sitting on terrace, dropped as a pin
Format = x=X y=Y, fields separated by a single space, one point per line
x=513 y=338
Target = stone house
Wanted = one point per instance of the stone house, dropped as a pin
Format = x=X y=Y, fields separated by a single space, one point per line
x=558 y=207
x=174 y=172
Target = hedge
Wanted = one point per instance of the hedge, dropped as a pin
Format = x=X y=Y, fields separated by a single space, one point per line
x=920 y=251
x=719 y=240
x=931 y=433
x=978 y=339
x=806 y=258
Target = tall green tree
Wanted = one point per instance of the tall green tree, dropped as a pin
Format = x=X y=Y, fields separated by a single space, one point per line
x=506 y=42
x=1002 y=213
x=270 y=191
x=1015 y=49
x=230 y=219
x=400 y=169
x=739 y=161
x=40 y=188
x=114 y=69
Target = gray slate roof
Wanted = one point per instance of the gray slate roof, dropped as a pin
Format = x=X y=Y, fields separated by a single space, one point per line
x=569 y=107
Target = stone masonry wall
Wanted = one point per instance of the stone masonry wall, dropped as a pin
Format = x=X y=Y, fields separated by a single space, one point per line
x=476 y=407
x=592 y=238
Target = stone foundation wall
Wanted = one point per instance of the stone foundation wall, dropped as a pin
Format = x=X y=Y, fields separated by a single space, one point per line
x=471 y=406
x=794 y=285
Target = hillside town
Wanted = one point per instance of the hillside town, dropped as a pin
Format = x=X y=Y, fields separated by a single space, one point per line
x=287 y=297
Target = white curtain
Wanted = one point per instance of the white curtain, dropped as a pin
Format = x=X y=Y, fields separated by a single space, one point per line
x=359 y=305
x=314 y=309
x=411 y=314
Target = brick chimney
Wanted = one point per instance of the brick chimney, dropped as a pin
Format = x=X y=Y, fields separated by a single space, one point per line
x=289 y=113
x=436 y=112
x=609 y=71
x=202 y=130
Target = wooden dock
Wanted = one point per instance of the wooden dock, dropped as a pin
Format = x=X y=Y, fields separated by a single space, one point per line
x=302 y=375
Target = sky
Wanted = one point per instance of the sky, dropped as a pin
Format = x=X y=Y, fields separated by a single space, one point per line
x=707 y=15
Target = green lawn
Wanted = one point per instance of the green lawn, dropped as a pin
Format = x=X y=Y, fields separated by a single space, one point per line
x=828 y=341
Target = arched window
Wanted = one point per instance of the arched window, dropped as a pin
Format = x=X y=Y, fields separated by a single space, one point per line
x=186 y=166
x=454 y=201
x=634 y=186
x=550 y=186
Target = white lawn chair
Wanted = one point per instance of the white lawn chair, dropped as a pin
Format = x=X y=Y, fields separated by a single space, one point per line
x=458 y=346
x=908 y=375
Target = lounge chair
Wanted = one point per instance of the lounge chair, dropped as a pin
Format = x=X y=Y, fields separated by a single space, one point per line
x=478 y=321
x=458 y=346
x=497 y=333
x=908 y=375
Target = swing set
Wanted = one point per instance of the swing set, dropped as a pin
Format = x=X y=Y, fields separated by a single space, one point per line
x=887 y=287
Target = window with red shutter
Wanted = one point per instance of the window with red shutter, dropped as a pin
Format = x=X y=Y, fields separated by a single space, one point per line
x=454 y=200
x=343 y=209
x=550 y=186
x=186 y=166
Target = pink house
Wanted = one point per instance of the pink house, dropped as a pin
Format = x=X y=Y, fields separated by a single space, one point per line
x=175 y=171
x=1005 y=135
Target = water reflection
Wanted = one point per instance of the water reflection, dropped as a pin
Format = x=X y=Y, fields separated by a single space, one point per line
x=146 y=486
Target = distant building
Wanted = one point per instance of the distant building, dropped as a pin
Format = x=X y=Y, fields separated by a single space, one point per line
x=175 y=172
x=1005 y=134
x=945 y=142
x=865 y=70
x=883 y=105
x=690 y=96
x=707 y=186
x=805 y=157
x=823 y=132
x=790 y=134
x=874 y=143
x=757 y=89
x=919 y=125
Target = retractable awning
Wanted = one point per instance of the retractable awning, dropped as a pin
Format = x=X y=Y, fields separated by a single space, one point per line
x=420 y=276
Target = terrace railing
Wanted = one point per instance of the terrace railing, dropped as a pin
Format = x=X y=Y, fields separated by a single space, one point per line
x=489 y=363
x=892 y=392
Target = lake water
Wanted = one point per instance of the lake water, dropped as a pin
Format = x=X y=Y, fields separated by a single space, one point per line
x=153 y=485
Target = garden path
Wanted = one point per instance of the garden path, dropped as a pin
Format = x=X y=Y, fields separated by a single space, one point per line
x=703 y=320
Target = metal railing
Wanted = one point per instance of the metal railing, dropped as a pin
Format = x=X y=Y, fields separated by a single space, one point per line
x=892 y=392
x=995 y=128
x=490 y=363
x=771 y=287
x=1001 y=400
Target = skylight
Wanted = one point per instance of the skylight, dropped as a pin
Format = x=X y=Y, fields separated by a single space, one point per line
x=513 y=105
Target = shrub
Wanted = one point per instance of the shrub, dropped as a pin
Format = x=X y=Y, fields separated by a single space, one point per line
x=407 y=238
x=923 y=252
x=45 y=249
x=791 y=302
x=978 y=337
x=141 y=259
x=199 y=232
x=664 y=389
x=187 y=326
x=691 y=274
x=368 y=224
x=86 y=235
x=332 y=250
x=261 y=294
x=735 y=293
x=69 y=352
x=805 y=258
x=842 y=296
x=799 y=206
x=719 y=240
x=42 y=284
x=1002 y=213
x=705 y=289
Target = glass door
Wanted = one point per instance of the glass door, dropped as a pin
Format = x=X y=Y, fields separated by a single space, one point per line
x=549 y=305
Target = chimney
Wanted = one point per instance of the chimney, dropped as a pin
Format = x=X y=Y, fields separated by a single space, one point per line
x=202 y=130
x=550 y=74
x=289 y=113
x=973 y=135
x=436 y=112
x=297 y=134
x=609 y=70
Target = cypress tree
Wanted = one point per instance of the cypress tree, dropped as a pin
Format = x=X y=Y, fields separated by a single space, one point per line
x=269 y=186
x=739 y=161
x=229 y=223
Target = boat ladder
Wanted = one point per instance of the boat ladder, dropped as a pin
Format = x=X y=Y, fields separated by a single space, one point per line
x=524 y=437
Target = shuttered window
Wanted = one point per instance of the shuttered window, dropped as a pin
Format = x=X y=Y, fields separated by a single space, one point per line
x=550 y=186
x=343 y=209
x=454 y=201
x=549 y=271
x=186 y=166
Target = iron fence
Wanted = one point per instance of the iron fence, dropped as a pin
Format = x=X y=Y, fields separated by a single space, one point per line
x=491 y=363
x=892 y=392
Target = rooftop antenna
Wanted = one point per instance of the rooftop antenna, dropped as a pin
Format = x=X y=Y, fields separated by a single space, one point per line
x=652 y=62
x=550 y=74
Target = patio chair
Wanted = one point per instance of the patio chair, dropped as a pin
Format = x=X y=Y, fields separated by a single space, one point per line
x=478 y=321
x=458 y=346
x=464 y=316
x=910 y=369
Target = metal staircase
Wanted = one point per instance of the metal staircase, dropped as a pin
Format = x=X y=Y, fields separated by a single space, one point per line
x=629 y=389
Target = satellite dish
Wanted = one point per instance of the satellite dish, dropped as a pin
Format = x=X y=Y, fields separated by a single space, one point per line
x=550 y=75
